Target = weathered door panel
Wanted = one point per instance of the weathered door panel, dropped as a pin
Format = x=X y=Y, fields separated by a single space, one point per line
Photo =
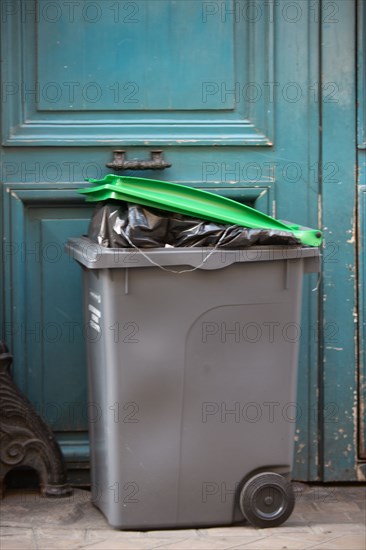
x=44 y=325
x=362 y=325
x=165 y=72
x=361 y=144
x=338 y=380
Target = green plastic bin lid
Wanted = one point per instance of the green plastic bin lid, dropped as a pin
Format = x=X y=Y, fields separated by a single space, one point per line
x=191 y=202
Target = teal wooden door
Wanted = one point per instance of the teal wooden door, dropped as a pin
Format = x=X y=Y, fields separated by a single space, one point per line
x=361 y=194
x=231 y=92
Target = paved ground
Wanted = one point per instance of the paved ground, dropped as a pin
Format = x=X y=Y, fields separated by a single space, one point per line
x=325 y=517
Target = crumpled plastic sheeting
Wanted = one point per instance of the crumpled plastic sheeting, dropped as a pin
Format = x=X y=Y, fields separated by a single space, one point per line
x=115 y=223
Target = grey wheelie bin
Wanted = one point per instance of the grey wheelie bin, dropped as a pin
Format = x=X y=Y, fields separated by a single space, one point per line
x=192 y=361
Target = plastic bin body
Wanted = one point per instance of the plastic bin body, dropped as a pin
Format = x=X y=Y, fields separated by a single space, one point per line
x=192 y=378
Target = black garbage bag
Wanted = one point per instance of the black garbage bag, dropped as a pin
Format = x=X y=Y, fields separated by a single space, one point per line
x=117 y=224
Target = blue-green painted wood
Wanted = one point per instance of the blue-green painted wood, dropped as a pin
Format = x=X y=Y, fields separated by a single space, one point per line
x=173 y=58
x=338 y=395
x=210 y=146
x=44 y=326
x=54 y=329
x=361 y=144
x=296 y=190
x=361 y=75
x=158 y=82
x=362 y=320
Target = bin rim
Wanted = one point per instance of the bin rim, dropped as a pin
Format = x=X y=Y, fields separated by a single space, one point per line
x=95 y=256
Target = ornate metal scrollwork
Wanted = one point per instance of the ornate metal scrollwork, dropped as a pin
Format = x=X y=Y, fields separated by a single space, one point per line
x=25 y=439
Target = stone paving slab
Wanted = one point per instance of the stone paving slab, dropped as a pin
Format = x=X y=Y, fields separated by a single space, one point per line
x=345 y=542
x=325 y=517
x=14 y=538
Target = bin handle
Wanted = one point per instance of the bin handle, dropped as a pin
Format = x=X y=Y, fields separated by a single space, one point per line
x=156 y=161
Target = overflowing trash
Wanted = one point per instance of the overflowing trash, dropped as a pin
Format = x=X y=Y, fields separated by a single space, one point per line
x=197 y=217
x=122 y=225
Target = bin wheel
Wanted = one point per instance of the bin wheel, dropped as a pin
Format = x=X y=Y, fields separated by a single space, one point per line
x=267 y=500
